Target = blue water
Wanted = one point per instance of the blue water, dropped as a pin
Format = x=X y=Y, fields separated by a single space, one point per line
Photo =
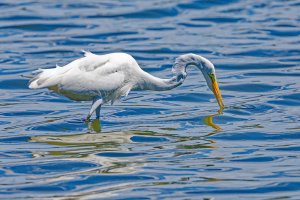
x=153 y=145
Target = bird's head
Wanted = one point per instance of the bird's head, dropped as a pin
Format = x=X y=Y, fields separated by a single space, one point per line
x=205 y=66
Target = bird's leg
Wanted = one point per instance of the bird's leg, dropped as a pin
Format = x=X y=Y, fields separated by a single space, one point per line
x=97 y=102
x=98 y=111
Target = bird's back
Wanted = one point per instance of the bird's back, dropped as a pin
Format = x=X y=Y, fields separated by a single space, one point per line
x=90 y=76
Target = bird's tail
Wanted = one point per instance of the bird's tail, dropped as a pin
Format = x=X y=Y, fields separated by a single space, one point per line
x=45 y=78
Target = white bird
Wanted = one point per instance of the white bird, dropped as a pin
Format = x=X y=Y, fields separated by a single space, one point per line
x=106 y=78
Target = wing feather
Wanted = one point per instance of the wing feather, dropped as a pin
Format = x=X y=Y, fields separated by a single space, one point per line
x=93 y=74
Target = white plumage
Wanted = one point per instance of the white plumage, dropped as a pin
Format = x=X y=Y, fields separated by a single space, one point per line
x=89 y=76
x=105 y=78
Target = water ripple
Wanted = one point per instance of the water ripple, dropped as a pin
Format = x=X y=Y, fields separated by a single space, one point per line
x=159 y=145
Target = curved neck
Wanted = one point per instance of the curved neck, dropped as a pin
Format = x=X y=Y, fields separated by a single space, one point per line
x=183 y=61
x=150 y=82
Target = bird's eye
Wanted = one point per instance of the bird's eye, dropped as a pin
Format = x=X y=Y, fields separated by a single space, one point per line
x=212 y=75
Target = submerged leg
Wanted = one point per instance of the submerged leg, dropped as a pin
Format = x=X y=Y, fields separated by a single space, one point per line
x=96 y=106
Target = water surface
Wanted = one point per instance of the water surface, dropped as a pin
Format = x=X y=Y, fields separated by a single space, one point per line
x=164 y=145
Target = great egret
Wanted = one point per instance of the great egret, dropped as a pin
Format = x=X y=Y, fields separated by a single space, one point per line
x=105 y=78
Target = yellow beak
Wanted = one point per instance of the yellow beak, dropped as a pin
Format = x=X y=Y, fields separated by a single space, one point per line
x=217 y=92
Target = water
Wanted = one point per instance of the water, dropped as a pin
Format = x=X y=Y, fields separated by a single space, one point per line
x=153 y=145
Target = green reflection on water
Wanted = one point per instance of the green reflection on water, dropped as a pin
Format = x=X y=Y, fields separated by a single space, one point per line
x=95 y=125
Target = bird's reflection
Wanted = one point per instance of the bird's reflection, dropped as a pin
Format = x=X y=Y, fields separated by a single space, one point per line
x=89 y=146
x=208 y=120
x=94 y=125
x=118 y=156
x=120 y=151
